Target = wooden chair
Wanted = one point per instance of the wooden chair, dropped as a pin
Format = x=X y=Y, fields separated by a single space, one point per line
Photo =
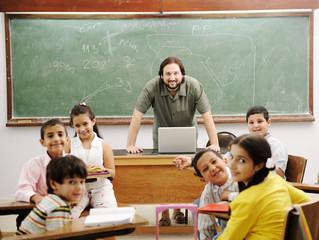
x=295 y=168
x=292 y=229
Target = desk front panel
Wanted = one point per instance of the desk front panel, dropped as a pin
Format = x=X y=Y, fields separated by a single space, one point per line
x=145 y=179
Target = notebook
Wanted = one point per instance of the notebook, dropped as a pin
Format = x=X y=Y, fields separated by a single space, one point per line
x=110 y=216
x=177 y=139
x=214 y=207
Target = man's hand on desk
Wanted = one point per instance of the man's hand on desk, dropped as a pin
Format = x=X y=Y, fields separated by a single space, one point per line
x=134 y=149
x=214 y=147
x=182 y=162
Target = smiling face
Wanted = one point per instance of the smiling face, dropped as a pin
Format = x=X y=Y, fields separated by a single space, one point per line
x=71 y=190
x=257 y=124
x=241 y=166
x=83 y=126
x=172 y=76
x=212 y=168
x=54 y=139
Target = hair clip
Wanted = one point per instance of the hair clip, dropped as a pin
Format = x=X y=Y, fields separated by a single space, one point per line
x=270 y=163
x=82 y=104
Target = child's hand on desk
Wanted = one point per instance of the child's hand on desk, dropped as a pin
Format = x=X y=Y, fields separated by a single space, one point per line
x=91 y=168
x=228 y=196
x=224 y=195
x=182 y=162
x=36 y=199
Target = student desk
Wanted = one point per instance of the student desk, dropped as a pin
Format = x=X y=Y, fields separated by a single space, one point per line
x=152 y=178
x=8 y=208
x=308 y=188
x=72 y=230
x=76 y=230
x=221 y=215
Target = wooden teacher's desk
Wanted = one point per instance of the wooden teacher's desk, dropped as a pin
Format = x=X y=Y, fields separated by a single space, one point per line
x=152 y=178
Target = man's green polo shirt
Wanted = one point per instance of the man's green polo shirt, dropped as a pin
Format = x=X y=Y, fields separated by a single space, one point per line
x=177 y=111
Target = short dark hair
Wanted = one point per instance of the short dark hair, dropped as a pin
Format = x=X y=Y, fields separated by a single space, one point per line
x=170 y=60
x=199 y=155
x=256 y=110
x=62 y=167
x=259 y=151
x=50 y=123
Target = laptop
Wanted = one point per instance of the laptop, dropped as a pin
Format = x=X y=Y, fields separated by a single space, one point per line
x=177 y=140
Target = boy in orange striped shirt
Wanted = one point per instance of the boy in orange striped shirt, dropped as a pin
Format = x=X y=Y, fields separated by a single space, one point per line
x=65 y=179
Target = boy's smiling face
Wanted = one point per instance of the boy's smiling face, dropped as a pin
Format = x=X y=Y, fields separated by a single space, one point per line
x=54 y=140
x=257 y=124
x=212 y=168
x=71 y=190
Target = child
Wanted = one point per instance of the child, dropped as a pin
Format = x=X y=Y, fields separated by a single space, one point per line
x=259 y=209
x=32 y=183
x=258 y=122
x=90 y=147
x=65 y=178
x=210 y=166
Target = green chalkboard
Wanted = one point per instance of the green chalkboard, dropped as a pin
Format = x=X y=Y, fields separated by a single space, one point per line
x=105 y=62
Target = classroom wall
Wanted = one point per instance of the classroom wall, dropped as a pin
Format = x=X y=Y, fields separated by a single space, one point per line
x=19 y=144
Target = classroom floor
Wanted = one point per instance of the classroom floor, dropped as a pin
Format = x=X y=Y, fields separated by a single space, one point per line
x=163 y=236
x=148 y=211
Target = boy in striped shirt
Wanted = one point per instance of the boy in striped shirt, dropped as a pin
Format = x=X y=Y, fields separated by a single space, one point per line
x=65 y=179
x=212 y=168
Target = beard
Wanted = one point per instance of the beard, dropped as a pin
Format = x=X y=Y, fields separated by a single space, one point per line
x=175 y=87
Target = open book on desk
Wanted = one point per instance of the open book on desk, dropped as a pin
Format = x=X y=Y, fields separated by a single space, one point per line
x=110 y=216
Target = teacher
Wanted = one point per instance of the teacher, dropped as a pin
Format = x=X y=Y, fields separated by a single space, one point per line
x=175 y=98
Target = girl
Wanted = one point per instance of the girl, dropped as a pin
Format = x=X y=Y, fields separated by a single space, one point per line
x=258 y=210
x=88 y=145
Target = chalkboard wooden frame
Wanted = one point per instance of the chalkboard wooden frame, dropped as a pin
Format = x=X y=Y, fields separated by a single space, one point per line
x=21 y=121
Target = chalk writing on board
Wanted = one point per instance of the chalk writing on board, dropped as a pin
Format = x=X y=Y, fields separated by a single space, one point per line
x=240 y=55
x=106 y=62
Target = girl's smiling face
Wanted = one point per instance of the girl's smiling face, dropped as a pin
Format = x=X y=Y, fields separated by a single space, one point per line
x=83 y=125
x=212 y=168
x=241 y=166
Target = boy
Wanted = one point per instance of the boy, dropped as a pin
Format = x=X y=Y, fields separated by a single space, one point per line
x=65 y=178
x=211 y=168
x=257 y=119
x=258 y=122
x=32 y=183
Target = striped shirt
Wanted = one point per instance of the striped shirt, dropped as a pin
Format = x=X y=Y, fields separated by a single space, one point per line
x=51 y=213
x=212 y=194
